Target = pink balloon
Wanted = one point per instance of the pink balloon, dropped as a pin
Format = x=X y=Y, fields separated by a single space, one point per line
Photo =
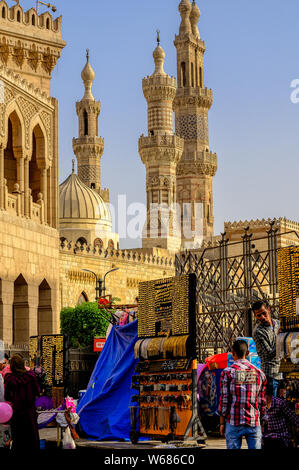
x=5 y=412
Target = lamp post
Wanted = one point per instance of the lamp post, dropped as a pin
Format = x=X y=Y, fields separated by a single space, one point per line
x=100 y=283
x=108 y=272
x=97 y=282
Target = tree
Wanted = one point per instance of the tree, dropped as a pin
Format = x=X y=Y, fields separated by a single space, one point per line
x=82 y=323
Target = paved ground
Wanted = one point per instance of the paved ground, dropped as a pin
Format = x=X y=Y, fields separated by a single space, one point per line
x=50 y=434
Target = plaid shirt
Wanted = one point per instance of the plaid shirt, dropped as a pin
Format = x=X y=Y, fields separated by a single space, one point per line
x=278 y=420
x=265 y=341
x=242 y=399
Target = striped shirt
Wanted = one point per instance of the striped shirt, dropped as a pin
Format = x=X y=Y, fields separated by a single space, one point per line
x=265 y=341
x=242 y=399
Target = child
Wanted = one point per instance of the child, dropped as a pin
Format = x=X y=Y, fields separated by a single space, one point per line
x=277 y=422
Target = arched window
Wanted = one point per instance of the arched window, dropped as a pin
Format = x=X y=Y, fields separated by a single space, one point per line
x=192 y=74
x=85 y=117
x=20 y=311
x=83 y=298
x=19 y=17
x=33 y=20
x=44 y=312
x=200 y=78
x=111 y=244
x=36 y=163
x=98 y=243
x=3 y=12
x=81 y=241
x=48 y=23
x=63 y=240
x=183 y=74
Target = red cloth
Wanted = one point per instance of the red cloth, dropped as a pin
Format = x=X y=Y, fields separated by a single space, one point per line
x=242 y=400
x=21 y=391
x=219 y=359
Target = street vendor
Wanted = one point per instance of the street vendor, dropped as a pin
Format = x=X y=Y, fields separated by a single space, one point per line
x=264 y=335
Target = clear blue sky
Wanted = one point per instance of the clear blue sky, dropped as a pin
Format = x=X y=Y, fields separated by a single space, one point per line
x=252 y=56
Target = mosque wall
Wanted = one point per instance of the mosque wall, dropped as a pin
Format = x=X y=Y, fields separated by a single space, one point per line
x=134 y=266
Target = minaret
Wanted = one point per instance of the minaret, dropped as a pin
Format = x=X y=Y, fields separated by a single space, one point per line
x=198 y=165
x=89 y=147
x=160 y=151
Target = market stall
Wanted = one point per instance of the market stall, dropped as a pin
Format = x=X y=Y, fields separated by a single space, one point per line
x=165 y=404
x=288 y=338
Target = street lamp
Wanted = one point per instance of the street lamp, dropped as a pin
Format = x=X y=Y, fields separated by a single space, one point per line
x=100 y=283
x=49 y=5
x=97 y=282
x=111 y=271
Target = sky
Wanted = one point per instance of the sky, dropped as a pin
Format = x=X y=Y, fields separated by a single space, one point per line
x=252 y=58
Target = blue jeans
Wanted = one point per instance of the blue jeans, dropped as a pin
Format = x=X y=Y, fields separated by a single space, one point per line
x=275 y=384
x=234 y=434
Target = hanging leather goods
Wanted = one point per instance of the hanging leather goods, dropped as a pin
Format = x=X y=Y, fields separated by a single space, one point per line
x=144 y=348
x=136 y=349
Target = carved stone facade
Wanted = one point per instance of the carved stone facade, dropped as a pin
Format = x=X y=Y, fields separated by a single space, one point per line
x=160 y=151
x=29 y=48
x=89 y=147
x=198 y=165
x=134 y=266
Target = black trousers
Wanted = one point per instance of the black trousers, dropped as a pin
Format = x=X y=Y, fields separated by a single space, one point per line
x=273 y=444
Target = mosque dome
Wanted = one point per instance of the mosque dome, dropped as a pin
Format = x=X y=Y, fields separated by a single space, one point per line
x=78 y=201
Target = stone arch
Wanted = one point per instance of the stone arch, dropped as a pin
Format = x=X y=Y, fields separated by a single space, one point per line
x=37 y=125
x=37 y=163
x=4 y=11
x=82 y=298
x=13 y=111
x=44 y=311
x=46 y=20
x=20 y=311
x=13 y=149
x=183 y=74
x=81 y=241
x=111 y=245
x=98 y=242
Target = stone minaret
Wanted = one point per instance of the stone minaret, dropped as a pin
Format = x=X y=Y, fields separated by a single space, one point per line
x=89 y=147
x=198 y=165
x=160 y=151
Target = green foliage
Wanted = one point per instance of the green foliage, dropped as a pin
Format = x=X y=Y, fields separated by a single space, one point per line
x=82 y=323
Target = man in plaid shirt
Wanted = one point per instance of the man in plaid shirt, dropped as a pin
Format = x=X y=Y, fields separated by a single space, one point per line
x=242 y=401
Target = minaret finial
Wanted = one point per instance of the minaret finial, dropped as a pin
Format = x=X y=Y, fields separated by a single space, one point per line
x=73 y=166
x=158 y=37
x=88 y=77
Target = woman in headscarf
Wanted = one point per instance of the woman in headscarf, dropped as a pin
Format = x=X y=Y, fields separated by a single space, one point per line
x=21 y=390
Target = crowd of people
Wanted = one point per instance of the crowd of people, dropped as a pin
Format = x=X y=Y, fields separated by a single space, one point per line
x=250 y=405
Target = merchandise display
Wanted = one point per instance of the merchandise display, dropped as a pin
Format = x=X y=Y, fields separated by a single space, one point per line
x=48 y=351
x=165 y=380
x=287 y=343
x=288 y=284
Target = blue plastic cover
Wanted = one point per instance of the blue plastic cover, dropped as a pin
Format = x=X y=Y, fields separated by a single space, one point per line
x=104 y=409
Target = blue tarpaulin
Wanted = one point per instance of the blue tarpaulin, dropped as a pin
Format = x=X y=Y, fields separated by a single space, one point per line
x=104 y=409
